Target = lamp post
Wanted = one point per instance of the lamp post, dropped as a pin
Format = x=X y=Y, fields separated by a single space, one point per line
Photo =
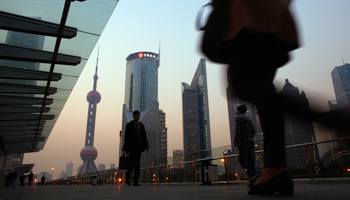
x=52 y=173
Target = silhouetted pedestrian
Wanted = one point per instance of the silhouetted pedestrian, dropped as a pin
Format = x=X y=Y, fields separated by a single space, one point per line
x=13 y=178
x=30 y=178
x=244 y=136
x=8 y=179
x=135 y=143
x=21 y=179
x=43 y=180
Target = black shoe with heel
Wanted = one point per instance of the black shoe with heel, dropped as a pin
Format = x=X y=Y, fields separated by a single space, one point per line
x=280 y=183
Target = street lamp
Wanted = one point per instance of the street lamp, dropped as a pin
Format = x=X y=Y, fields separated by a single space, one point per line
x=52 y=173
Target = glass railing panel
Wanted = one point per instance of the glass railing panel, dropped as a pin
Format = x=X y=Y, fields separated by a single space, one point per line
x=175 y=173
x=187 y=172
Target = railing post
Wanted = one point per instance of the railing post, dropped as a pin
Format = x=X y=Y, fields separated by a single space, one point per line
x=159 y=174
x=151 y=175
x=144 y=176
x=193 y=173
x=169 y=177
x=226 y=170
x=309 y=162
x=180 y=170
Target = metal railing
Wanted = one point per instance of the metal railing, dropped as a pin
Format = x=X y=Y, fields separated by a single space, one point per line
x=186 y=171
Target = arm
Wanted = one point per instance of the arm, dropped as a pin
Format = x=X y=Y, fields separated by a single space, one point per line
x=238 y=131
x=126 y=138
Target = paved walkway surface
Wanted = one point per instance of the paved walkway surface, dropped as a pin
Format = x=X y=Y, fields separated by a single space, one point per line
x=316 y=190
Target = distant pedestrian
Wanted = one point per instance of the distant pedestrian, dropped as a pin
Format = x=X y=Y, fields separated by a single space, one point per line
x=8 y=179
x=245 y=132
x=13 y=178
x=43 y=180
x=21 y=179
x=30 y=178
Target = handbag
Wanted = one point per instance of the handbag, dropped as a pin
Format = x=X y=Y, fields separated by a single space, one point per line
x=124 y=161
x=230 y=18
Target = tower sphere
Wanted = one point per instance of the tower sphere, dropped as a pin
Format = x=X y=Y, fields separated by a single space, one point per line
x=93 y=97
x=88 y=153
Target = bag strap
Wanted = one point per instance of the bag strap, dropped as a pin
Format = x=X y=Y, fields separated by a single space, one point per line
x=199 y=17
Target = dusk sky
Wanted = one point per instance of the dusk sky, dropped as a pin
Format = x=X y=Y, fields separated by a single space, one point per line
x=138 y=25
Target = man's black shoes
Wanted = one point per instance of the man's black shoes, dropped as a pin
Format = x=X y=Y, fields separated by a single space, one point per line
x=136 y=184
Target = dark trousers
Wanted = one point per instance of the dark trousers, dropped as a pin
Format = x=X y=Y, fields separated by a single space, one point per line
x=135 y=157
x=247 y=156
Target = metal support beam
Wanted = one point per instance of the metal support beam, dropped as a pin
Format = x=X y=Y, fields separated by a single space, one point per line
x=23 y=24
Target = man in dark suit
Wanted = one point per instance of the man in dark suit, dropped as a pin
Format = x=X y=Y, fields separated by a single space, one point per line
x=135 y=143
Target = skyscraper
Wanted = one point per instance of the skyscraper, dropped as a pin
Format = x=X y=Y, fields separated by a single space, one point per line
x=163 y=138
x=195 y=112
x=112 y=166
x=89 y=153
x=298 y=131
x=101 y=167
x=190 y=123
x=69 y=168
x=341 y=84
x=141 y=93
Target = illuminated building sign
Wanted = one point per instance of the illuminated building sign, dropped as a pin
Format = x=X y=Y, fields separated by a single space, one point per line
x=142 y=55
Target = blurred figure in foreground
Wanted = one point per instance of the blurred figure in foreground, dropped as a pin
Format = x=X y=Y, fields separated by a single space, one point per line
x=255 y=37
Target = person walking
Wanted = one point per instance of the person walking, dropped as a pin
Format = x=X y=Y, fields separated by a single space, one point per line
x=21 y=179
x=254 y=38
x=244 y=136
x=8 y=179
x=13 y=178
x=30 y=178
x=135 y=143
x=43 y=180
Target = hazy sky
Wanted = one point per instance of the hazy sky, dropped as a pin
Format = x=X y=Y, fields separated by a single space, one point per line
x=138 y=25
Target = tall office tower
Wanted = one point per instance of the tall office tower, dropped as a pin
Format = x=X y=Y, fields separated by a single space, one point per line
x=89 y=153
x=298 y=131
x=112 y=166
x=69 y=168
x=190 y=122
x=341 y=84
x=163 y=139
x=101 y=167
x=141 y=93
x=195 y=112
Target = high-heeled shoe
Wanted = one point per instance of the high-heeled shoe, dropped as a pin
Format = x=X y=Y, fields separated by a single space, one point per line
x=280 y=183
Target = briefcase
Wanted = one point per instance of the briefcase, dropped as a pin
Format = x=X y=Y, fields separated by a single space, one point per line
x=124 y=161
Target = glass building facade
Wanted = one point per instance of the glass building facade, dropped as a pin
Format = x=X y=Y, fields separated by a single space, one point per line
x=199 y=82
x=341 y=84
x=141 y=80
x=195 y=115
x=298 y=131
x=190 y=120
x=141 y=93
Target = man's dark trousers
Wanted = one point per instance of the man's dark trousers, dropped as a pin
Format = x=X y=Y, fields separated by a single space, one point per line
x=135 y=157
x=247 y=156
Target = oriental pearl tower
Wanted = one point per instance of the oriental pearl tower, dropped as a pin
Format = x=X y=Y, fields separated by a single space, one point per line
x=89 y=153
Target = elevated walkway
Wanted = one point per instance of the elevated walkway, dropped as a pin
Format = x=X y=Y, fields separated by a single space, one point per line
x=320 y=189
